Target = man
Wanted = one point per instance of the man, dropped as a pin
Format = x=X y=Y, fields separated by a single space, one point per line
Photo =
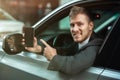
x=81 y=54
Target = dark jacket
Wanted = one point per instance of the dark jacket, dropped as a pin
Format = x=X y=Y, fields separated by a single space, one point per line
x=72 y=61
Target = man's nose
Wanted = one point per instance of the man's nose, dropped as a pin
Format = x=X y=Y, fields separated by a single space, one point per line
x=75 y=28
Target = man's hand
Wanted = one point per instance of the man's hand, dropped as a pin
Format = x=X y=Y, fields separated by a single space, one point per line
x=36 y=48
x=49 y=52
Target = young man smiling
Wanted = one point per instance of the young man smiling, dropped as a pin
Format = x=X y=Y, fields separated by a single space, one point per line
x=81 y=54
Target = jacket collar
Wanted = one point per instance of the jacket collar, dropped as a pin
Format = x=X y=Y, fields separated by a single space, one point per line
x=94 y=40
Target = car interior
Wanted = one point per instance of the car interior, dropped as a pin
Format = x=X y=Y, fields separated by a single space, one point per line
x=62 y=35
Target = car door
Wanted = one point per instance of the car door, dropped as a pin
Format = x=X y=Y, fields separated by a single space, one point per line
x=109 y=56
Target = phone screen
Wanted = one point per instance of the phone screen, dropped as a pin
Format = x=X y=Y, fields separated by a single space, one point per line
x=28 y=36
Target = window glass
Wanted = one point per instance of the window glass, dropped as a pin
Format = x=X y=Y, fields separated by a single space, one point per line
x=114 y=47
x=101 y=24
x=109 y=54
x=58 y=27
x=64 y=23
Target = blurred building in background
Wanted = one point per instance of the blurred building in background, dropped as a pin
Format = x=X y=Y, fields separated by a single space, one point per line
x=29 y=11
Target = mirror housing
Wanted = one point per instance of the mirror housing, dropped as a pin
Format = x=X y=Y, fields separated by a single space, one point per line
x=12 y=43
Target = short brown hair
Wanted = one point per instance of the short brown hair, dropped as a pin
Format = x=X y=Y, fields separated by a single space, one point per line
x=76 y=10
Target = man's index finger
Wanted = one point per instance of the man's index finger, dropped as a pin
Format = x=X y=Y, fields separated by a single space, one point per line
x=45 y=43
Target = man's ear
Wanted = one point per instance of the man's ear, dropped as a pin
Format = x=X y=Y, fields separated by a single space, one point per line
x=91 y=25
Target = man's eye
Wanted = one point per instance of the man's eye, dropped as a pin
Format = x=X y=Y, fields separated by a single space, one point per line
x=79 y=24
x=72 y=25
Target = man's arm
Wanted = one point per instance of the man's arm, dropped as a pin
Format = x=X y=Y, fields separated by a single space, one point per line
x=72 y=64
x=76 y=63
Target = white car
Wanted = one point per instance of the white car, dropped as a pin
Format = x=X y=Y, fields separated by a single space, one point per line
x=8 y=25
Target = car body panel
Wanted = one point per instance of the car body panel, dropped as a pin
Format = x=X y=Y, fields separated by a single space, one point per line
x=110 y=75
x=39 y=69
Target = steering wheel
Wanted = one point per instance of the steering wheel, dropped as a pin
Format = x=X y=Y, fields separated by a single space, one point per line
x=62 y=40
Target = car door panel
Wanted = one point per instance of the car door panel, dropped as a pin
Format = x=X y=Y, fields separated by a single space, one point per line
x=16 y=65
x=109 y=74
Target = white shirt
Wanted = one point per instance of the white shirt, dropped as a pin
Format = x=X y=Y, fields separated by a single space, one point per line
x=83 y=43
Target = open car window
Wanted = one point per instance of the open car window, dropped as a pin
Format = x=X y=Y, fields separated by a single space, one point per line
x=103 y=24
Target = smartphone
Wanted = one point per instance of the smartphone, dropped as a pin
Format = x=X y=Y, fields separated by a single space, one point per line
x=28 y=36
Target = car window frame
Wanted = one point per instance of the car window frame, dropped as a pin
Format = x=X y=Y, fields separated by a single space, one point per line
x=110 y=71
x=39 y=26
x=102 y=59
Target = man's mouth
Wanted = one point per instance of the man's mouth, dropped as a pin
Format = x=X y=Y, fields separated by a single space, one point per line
x=77 y=35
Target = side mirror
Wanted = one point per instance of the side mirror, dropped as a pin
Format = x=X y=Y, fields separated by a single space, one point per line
x=12 y=43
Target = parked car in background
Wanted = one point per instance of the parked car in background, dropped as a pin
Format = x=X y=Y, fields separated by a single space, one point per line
x=54 y=28
x=8 y=24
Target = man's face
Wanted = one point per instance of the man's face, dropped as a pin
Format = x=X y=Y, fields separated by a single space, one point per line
x=81 y=27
